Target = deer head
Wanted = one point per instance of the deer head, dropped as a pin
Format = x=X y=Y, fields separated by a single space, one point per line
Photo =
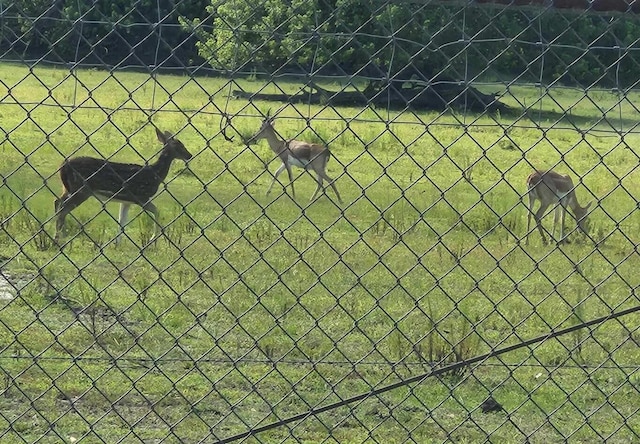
x=265 y=128
x=581 y=214
x=172 y=146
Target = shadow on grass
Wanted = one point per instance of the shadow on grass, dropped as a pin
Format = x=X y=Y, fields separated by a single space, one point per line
x=546 y=118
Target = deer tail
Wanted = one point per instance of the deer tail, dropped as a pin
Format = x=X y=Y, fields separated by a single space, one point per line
x=69 y=177
x=327 y=158
x=65 y=176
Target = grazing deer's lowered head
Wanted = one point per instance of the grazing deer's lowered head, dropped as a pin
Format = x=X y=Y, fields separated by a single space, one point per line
x=309 y=156
x=83 y=177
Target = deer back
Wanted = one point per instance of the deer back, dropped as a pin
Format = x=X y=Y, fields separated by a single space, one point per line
x=307 y=153
x=549 y=186
x=120 y=181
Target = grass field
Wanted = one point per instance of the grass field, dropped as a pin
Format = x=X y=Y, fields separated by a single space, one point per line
x=251 y=309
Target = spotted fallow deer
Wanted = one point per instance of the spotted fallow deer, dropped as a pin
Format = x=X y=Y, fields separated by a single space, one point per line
x=84 y=177
x=309 y=156
x=550 y=187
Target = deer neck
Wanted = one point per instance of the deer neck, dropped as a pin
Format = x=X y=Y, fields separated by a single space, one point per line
x=162 y=165
x=572 y=202
x=276 y=144
x=577 y=209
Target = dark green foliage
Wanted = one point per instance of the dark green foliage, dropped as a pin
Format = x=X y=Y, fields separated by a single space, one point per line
x=440 y=41
x=113 y=32
x=337 y=37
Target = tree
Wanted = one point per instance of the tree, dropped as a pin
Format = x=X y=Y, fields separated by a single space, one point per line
x=269 y=34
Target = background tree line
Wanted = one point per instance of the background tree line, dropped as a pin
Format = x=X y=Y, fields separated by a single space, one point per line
x=336 y=37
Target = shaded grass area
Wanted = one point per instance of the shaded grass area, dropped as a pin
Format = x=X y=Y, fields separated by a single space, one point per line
x=250 y=309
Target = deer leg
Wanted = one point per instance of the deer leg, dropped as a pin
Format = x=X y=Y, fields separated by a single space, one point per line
x=58 y=202
x=60 y=216
x=275 y=177
x=122 y=220
x=555 y=222
x=529 y=215
x=331 y=184
x=318 y=187
x=293 y=190
x=562 y=216
x=538 y=217
x=151 y=209
x=64 y=205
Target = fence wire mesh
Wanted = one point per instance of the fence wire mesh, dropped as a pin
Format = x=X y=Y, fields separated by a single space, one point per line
x=416 y=298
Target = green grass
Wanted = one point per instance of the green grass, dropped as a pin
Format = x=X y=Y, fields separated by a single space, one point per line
x=249 y=309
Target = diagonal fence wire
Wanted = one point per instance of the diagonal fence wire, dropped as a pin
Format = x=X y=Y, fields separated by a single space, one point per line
x=436 y=372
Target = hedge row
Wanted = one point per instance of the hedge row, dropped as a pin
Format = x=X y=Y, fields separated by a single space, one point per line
x=368 y=37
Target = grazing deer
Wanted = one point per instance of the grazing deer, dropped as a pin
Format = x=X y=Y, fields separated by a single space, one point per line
x=309 y=156
x=549 y=188
x=83 y=177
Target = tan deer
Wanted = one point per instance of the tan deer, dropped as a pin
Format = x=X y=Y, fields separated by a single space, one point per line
x=309 y=156
x=550 y=188
x=84 y=177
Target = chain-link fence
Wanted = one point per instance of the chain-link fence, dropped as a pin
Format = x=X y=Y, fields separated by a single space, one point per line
x=414 y=298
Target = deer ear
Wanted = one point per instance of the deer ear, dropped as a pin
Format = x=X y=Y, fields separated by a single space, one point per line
x=161 y=136
x=168 y=135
